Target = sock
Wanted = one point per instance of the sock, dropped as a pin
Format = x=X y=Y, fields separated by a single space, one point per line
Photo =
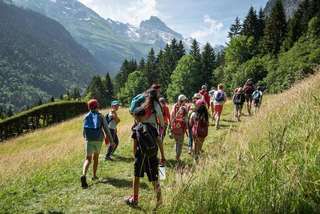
x=135 y=197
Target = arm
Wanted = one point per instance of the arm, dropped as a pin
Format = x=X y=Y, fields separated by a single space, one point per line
x=106 y=130
x=159 y=115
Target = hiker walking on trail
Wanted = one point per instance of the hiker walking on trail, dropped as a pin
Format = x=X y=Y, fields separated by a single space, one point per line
x=113 y=120
x=257 y=99
x=179 y=122
x=199 y=122
x=220 y=98
x=166 y=117
x=211 y=94
x=248 y=89
x=145 y=147
x=238 y=101
x=191 y=109
x=205 y=94
x=95 y=129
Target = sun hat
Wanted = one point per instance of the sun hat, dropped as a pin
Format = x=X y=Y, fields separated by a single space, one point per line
x=182 y=97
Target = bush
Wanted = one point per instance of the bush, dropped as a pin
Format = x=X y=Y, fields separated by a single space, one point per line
x=40 y=116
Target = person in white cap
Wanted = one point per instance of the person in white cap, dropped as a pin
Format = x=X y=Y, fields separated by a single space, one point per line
x=179 y=121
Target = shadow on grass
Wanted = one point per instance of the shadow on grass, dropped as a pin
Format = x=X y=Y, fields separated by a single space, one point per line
x=121 y=183
x=123 y=159
x=173 y=164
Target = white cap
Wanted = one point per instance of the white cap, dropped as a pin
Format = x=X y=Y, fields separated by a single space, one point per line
x=182 y=98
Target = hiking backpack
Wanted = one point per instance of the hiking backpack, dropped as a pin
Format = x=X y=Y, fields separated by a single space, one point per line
x=200 y=128
x=108 y=118
x=248 y=89
x=179 y=126
x=256 y=95
x=237 y=99
x=138 y=109
x=219 y=96
x=92 y=125
x=147 y=142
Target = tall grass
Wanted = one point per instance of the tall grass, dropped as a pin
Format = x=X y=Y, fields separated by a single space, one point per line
x=270 y=165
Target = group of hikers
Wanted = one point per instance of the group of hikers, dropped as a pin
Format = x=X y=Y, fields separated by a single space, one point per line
x=152 y=121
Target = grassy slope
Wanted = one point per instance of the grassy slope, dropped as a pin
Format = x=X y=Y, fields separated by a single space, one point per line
x=270 y=165
x=267 y=164
x=39 y=172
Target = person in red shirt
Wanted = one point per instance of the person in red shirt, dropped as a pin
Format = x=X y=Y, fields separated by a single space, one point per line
x=205 y=94
x=166 y=117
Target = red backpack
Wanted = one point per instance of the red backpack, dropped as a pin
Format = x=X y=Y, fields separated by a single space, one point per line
x=200 y=128
x=179 y=126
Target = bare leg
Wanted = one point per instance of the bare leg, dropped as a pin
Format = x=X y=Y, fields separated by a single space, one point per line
x=136 y=185
x=95 y=163
x=160 y=144
x=86 y=165
x=157 y=189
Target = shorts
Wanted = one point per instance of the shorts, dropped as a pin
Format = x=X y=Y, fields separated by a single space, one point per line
x=92 y=147
x=149 y=165
x=218 y=109
x=238 y=107
x=248 y=98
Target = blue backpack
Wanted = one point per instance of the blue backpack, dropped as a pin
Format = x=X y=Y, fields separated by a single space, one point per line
x=92 y=126
x=220 y=96
x=136 y=102
x=256 y=95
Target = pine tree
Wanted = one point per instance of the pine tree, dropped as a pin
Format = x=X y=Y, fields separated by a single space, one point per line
x=39 y=103
x=235 y=28
x=127 y=67
x=275 y=30
x=196 y=71
x=75 y=93
x=52 y=99
x=96 y=90
x=150 y=69
x=260 y=25
x=208 y=63
x=141 y=65
x=181 y=50
x=250 y=24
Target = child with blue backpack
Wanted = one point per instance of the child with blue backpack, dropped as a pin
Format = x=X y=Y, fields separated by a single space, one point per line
x=113 y=120
x=95 y=129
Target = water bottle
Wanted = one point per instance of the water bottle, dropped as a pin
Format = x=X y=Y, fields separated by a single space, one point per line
x=162 y=172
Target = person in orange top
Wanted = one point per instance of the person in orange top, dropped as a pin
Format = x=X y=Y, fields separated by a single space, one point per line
x=166 y=116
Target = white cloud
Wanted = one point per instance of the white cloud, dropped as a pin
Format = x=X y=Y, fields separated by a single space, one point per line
x=213 y=31
x=127 y=11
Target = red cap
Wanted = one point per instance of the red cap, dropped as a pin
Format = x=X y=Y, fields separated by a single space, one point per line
x=93 y=104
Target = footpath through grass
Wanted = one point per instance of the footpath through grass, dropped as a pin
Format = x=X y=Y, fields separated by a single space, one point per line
x=39 y=172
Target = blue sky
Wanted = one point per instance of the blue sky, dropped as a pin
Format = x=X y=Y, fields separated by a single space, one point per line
x=205 y=20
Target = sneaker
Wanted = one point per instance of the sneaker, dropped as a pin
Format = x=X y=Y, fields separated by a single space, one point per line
x=108 y=158
x=84 y=183
x=131 y=202
x=95 y=178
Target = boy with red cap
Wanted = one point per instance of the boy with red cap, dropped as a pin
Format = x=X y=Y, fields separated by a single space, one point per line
x=95 y=129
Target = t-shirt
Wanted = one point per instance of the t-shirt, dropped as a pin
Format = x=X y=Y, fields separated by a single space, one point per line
x=215 y=95
x=206 y=96
x=166 y=114
x=157 y=115
x=112 y=122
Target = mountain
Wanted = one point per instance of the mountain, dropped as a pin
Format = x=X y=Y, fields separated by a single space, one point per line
x=290 y=6
x=38 y=58
x=110 y=42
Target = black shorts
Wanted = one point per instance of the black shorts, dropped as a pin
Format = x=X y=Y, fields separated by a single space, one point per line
x=149 y=165
x=238 y=107
x=143 y=164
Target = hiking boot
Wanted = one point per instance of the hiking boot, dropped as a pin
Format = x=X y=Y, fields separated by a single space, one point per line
x=95 y=178
x=131 y=202
x=84 y=183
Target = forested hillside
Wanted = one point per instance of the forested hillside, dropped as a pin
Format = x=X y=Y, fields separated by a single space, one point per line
x=269 y=49
x=38 y=58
